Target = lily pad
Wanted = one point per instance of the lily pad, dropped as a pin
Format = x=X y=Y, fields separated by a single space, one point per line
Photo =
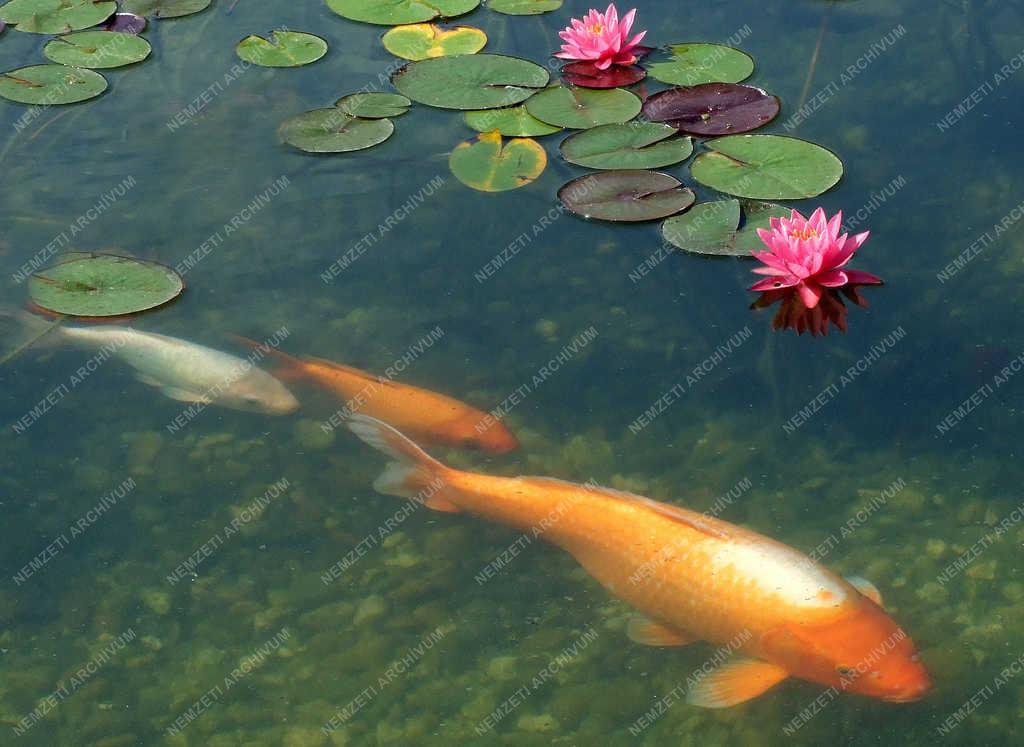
x=582 y=108
x=55 y=16
x=373 y=105
x=633 y=145
x=713 y=108
x=489 y=165
x=333 y=131
x=629 y=195
x=104 y=285
x=693 y=64
x=474 y=81
x=421 y=41
x=125 y=23
x=588 y=75
x=513 y=121
x=523 y=7
x=397 y=12
x=767 y=167
x=95 y=49
x=165 y=8
x=51 y=84
x=714 y=227
x=282 y=49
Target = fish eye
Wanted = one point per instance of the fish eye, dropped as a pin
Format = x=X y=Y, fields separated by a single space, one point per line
x=846 y=671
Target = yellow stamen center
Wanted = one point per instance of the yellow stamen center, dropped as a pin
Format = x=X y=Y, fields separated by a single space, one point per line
x=597 y=28
x=804 y=233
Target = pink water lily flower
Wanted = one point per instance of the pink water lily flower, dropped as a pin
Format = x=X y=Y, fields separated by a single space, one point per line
x=807 y=255
x=601 y=38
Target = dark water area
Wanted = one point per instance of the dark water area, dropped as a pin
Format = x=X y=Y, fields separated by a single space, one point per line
x=232 y=578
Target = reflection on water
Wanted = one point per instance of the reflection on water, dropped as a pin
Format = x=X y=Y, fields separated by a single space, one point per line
x=234 y=579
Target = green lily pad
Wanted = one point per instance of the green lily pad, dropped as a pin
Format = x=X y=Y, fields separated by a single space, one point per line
x=373 y=105
x=714 y=227
x=94 y=49
x=489 y=165
x=473 y=81
x=283 y=49
x=398 y=12
x=333 y=131
x=693 y=64
x=55 y=16
x=104 y=285
x=627 y=196
x=513 y=121
x=582 y=108
x=51 y=84
x=423 y=41
x=767 y=167
x=523 y=7
x=633 y=145
x=165 y=8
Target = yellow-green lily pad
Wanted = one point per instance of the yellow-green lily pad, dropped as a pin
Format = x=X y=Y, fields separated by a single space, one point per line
x=421 y=41
x=282 y=49
x=94 y=49
x=397 y=12
x=512 y=121
x=45 y=85
x=523 y=7
x=488 y=164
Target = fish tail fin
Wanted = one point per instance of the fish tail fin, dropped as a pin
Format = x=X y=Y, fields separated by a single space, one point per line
x=286 y=367
x=412 y=473
x=26 y=330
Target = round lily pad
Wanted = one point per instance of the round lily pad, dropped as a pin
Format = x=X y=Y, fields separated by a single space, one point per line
x=633 y=145
x=333 y=131
x=421 y=41
x=693 y=64
x=397 y=12
x=582 y=108
x=104 y=285
x=490 y=165
x=165 y=8
x=588 y=75
x=51 y=84
x=630 y=195
x=55 y=16
x=373 y=105
x=523 y=7
x=94 y=49
x=767 y=167
x=474 y=81
x=715 y=227
x=713 y=108
x=282 y=49
x=125 y=23
x=513 y=121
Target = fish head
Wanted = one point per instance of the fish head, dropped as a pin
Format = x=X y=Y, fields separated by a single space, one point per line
x=258 y=391
x=477 y=431
x=860 y=650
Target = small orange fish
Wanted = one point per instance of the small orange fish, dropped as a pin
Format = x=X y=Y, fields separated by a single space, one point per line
x=692 y=576
x=427 y=416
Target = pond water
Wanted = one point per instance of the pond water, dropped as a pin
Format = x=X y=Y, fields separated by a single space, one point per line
x=231 y=578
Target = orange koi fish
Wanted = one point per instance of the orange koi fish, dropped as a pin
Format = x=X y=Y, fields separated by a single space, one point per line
x=427 y=416
x=694 y=578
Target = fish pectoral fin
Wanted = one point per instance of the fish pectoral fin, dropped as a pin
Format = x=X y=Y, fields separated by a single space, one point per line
x=736 y=681
x=866 y=588
x=644 y=630
x=183 y=395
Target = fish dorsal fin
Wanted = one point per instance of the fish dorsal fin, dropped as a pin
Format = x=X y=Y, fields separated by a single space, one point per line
x=703 y=524
x=642 y=629
x=358 y=373
x=866 y=588
x=736 y=681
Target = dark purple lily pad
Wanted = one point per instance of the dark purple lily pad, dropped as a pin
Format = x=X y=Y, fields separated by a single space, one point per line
x=2 y=26
x=713 y=108
x=641 y=51
x=126 y=23
x=587 y=75
x=627 y=195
